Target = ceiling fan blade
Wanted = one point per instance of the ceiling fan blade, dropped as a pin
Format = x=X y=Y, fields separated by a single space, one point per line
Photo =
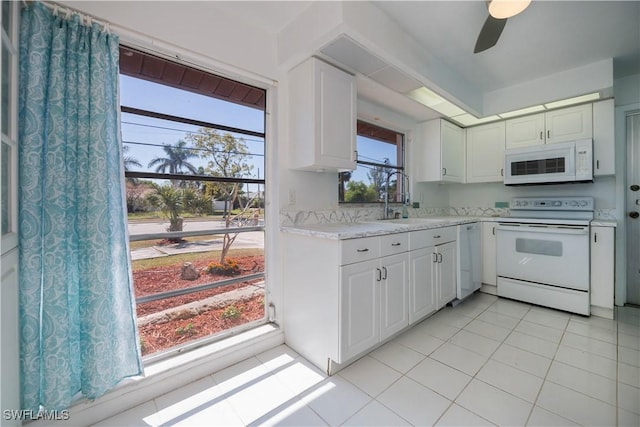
x=490 y=33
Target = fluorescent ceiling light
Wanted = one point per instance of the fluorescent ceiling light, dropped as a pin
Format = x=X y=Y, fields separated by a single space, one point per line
x=502 y=9
x=572 y=101
x=470 y=120
x=522 y=111
x=434 y=101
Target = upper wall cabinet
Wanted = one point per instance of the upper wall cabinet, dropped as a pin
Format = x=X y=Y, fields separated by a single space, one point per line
x=485 y=152
x=604 y=155
x=440 y=152
x=322 y=117
x=565 y=124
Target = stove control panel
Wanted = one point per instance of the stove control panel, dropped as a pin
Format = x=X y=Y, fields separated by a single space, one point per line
x=552 y=203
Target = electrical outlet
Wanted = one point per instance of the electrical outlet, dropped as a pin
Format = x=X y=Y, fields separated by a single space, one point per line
x=292 y=196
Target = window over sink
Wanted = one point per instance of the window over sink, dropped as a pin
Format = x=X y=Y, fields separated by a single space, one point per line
x=380 y=162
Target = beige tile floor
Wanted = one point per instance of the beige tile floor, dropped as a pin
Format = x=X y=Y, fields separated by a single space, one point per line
x=487 y=361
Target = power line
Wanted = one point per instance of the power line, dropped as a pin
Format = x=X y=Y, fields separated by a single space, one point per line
x=182 y=130
x=213 y=152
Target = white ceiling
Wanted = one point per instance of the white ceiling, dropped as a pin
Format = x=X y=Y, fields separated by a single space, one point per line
x=548 y=37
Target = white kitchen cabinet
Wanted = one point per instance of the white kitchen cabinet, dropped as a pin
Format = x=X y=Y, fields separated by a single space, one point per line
x=373 y=303
x=604 y=155
x=440 y=152
x=322 y=117
x=489 y=248
x=432 y=280
x=344 y=296
x=525 y=131
x=563 y=124
x=569 y=124
x=422 y=296
x=602 y=270
x=485 y=153
x=359 y=308
x=445 y=281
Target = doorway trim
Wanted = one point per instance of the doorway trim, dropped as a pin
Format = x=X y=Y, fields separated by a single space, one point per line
x=621 y=113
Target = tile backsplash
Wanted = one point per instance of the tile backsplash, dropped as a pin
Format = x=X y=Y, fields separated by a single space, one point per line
x=290 y=218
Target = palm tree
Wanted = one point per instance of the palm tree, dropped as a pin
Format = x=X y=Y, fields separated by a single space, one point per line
x=129 y=160
x=176 y=160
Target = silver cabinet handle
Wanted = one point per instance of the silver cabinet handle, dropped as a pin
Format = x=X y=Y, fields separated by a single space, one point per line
x=493 y=230
x=384 y=270
x=379 y=275
x=597 y=164
x=444 y=171
x=540 y=135
x=362 y=250
x=595 y=237
x=435 y=257
x=437 y=236
x=439 y=258
x=548 y=133
x=396 y=244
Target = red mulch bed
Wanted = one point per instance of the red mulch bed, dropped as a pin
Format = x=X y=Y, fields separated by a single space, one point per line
x=152 y=281
x=156 y=337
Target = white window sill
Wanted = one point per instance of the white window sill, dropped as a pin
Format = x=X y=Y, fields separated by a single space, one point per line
x=172 y=373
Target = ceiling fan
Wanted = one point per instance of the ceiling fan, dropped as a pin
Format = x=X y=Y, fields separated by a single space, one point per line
x=499 y=11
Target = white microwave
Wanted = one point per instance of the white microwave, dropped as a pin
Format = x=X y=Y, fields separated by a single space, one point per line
x=550 y=163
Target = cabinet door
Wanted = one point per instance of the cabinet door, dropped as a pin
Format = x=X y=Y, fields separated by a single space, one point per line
x=453 y=153
x=359 y=308
x=568 y=124
x=489 y=247
x=446 y=273
x=604 y=155
x=394 y=294
x=485 y=153
x=602 y=266
x=422 y=273
x=336 y=132
x=525 y=131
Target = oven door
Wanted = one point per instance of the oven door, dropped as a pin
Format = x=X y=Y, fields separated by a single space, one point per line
x=540 y=164
x=549 y=254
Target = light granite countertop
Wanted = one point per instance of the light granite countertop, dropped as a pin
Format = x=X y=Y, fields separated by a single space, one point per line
x=354 y=230
x=604 y=223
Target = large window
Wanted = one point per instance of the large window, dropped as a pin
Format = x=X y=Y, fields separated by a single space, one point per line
x=193 y=147
x=380 y=171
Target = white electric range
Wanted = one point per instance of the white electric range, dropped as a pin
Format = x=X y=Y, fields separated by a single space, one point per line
x=543 y=252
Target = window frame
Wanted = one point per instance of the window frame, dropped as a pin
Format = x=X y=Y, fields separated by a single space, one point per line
x=206 y=340
x=382 y=135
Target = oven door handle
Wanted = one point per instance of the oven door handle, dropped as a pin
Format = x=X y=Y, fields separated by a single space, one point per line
x=548 y=229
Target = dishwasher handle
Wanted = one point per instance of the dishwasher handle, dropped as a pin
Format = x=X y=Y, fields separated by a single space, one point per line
x=544 y=228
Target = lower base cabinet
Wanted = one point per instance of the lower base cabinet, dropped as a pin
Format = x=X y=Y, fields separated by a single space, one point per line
x=602 y=270
x=373 y=303
x=432 y=279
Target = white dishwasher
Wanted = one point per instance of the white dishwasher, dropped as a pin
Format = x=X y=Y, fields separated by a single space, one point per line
x=469 y=262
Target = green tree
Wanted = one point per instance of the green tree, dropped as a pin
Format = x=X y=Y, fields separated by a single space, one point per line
x=358 y=191
x=170 y=201
x=176 y=160
x=226 y=157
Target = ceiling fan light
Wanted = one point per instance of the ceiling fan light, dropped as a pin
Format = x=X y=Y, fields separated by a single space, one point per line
x=502 y=9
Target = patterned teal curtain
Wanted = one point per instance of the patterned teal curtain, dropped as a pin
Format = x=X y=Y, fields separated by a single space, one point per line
x=78 y=330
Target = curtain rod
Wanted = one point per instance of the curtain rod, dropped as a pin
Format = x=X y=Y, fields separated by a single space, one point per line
x=167 y=50
x=64 y=10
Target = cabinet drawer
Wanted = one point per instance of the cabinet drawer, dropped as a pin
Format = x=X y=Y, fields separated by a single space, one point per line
x=391 y=244
x=356 y=250
x=434 y=236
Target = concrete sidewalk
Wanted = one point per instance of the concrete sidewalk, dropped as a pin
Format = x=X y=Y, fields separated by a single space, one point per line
x=254 y=239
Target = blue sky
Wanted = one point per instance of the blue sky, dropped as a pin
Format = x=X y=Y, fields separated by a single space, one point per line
x=137 y=130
